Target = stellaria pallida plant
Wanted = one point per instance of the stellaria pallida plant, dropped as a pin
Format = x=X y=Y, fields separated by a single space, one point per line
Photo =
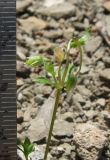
x=65 y=78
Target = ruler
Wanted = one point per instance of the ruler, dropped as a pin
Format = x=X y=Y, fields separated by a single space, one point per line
x=8 y=129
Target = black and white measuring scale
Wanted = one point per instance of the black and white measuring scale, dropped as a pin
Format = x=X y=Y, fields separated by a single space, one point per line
x=8 y=80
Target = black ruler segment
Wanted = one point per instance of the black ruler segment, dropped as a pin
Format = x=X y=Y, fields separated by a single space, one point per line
x=8 y=149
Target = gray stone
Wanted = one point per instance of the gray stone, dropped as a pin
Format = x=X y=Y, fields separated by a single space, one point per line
x=58 y=11
x=107 y=24
x=105 y=74
x=90 y=141
x=49 y=3
x=21 y=53
x=68 y=116
x=22 y=5
x=32 y=24
x=62 y=129
x=39 y=99
x=19 y=116
x=92 y=44
x=36 y=155
x=40 y=125
x=27 y=115
x=101 y=102
x=83 y=90
x=107 y=5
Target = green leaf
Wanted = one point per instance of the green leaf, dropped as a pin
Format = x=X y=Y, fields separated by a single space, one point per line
x=85 y=37
x=27 y=141
x=36 y=60
x=76 y=43
x=30 y=148
x=70 y=71
x=43 y=80
x=49 y=67
x=71 y=82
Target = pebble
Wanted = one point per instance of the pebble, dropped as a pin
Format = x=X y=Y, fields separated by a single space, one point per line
x=90 y=141
x=62 y=129
x=93 y=44
x=107 y=24
x=32 y=24
x=19 y=116
x=58 y=11
x=107 y=5
x=22 y=5
x=105 y=74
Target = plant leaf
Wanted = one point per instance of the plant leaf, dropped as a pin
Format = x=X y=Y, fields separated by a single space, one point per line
x=43 y=80
x=71 y=82
x=30 y=148
x=85 y=37
x=70 y=71
x=75 y=43
x=27 y=141
x=49 y=67
x=36 y=60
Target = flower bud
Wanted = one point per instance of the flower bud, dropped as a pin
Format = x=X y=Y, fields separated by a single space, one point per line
x=59 y=54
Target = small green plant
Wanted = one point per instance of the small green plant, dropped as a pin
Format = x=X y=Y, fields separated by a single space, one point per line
x=65 y=78
x=26 y=147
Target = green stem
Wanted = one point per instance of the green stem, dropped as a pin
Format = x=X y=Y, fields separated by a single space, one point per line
x=52 y=123
x=26 y=157
x=67 y=62
x=59 y=74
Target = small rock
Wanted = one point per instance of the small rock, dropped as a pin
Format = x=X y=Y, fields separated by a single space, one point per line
x=98 y=55
x=106 y=115
x=22 y=5
x=42 y=121
x=68 y=116
x=58 y=11
x=67 y=148
x=22 y=69
x=27 y=115
x=84 y=69
x=53 y=34
x=19 y=128
x=32 y=24
x=107 y=21
x=36 y=155
x=49 y=3
x=39 y=99
x=20 y=82
x=44 y=90
x=78 y=98
x=107 y=5
x=62 y=129
x=19 y=116
x=105 y=74
x=20 y=154
x=101 y=102
x=21 y=53
x=106 y=61
x=92 y=45
x=83 y=90
x=90 y=141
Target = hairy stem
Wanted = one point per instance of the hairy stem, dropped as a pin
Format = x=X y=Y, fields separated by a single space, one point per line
x=81 y=59
x=52 y=123
x=66 y=68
